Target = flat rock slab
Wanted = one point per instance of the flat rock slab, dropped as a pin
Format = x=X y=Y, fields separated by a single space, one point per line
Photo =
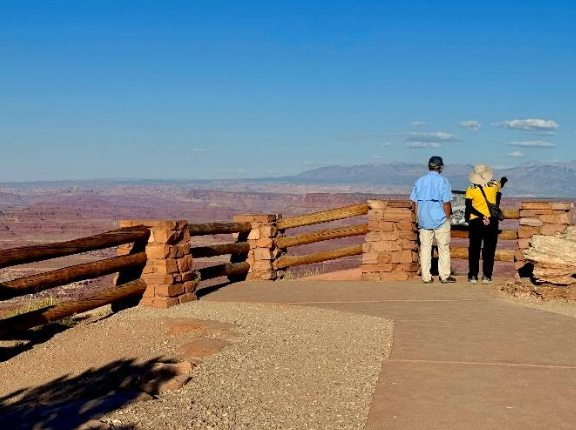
x=201 y=348
x=202 y=327
x=183 y=325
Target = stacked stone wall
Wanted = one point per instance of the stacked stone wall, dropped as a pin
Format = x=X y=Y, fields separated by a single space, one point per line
x=540 y=218
x=168 y=273
x=262 y=240
x=390 y=250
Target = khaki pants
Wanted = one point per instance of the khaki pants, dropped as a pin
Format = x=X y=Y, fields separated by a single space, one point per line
x=442 y=235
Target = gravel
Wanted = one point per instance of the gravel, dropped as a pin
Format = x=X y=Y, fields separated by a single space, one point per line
x=562 y=307
x=291 y=367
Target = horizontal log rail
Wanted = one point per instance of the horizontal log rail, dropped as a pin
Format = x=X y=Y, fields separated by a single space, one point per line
x=506 y=255
x=80 y=272
x=503 y=234
x=219 y=228
x=289 y=261
x=323 y=216
x=19 y=323
x=34 y=253
x=318 y=236
x=223 y=249
x=225 y=269
x=511 y=213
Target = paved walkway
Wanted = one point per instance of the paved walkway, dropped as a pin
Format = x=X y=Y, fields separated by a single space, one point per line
x=461 y=359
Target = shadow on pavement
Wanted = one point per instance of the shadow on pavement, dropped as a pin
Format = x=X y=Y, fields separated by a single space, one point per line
x=70 y=401
x=211 y=289
x=28 y=339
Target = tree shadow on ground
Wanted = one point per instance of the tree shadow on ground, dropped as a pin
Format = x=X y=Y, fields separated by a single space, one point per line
x=70 y=401
x=26 y=340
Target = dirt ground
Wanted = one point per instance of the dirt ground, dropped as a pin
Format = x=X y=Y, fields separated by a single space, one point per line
x=281 y=367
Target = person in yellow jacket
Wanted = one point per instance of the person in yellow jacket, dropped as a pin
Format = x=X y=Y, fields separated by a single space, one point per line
x=483 y=228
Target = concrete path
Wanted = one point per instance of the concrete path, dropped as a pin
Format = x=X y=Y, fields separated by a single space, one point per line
x=461 y=359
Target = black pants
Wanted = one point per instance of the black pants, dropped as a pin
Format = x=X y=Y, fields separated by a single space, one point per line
x=482 y=235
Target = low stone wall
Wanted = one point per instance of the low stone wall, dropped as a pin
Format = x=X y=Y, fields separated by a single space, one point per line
x=540 y=218
x=390 y=251
x=168 y=272
x=263 y=251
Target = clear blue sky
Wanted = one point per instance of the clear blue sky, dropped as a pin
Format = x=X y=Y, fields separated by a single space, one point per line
x=223 y=89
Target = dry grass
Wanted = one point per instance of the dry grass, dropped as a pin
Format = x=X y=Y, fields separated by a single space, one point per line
x=34 y=304
x=302 y=273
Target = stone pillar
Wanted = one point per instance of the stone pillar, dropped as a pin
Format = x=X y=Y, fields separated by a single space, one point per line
x=390 y=250
x=263 y=251
x=543 y=218
x=168 y=272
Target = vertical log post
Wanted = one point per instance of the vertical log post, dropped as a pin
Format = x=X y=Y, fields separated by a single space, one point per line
x=263 y=251
x=540 y=218
x=239 y=258
x=168 y=272
x=390 y=250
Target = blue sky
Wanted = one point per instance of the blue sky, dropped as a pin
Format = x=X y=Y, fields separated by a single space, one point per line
x=225 y=89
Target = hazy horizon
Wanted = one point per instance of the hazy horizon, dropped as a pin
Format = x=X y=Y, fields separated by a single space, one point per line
x=552 y=164
x=211 y=90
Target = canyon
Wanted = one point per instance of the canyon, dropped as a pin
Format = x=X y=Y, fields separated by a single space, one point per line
x=32 y=213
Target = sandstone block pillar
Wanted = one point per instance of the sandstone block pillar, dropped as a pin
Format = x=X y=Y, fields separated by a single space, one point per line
x=542 y=218
x=390 y=250
x=263 y=251
x=168 y=272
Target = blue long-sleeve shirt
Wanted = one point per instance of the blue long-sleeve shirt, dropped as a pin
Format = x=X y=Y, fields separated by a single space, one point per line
x=430 y=192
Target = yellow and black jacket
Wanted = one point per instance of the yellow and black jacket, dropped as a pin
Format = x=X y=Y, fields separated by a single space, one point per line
x=476 y=206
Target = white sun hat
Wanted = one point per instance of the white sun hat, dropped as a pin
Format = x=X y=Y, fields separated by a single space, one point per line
x=481 y=175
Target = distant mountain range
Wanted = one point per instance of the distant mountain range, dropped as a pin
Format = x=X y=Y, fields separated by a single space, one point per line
x=527 y=180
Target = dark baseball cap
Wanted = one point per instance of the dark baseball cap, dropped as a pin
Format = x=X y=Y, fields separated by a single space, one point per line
x=435 y=161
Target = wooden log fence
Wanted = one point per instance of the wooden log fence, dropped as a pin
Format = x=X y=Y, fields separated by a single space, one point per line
x=506 y=255
x=234 y=249
x=221 y=249
x=323 y=216
x=321 y=235
x=226 y=269
x=9 y=327
x=219 y=228
x=34 y=253
x=502 y=235
x=80 y=272
x=289 y=261
x=40 y=282
x=44 y=281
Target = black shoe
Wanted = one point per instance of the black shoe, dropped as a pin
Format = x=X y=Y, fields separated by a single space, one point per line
x=473 y=280
x=448 y=280
x=486 y=280
x=431 y=281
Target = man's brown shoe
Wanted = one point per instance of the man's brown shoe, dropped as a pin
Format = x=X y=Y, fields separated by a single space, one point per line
x=448 y=280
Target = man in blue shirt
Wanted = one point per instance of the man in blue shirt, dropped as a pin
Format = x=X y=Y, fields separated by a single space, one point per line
x=432 y=194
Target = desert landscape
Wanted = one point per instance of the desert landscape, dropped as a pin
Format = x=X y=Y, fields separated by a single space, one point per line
x=32 y=213
x=224 y=215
